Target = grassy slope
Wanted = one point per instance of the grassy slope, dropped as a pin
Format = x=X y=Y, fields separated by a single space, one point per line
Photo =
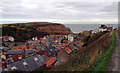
x=101 y=62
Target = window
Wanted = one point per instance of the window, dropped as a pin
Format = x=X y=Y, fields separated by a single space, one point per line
x=25 y=63
x=20 y=57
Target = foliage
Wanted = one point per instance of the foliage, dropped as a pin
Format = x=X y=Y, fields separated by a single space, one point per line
x=88 y=40
x=101 y=62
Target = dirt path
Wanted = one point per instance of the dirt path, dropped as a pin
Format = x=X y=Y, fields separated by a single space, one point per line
x=115 y=62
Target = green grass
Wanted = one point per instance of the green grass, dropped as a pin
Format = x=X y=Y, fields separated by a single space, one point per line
x=119 y=32
x=102 y=61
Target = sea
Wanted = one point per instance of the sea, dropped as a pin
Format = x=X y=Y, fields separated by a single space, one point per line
x=77 y=28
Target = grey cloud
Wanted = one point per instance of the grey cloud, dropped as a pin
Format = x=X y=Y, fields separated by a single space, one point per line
x=59 y=10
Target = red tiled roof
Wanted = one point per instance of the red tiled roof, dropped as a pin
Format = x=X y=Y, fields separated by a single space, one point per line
x=88 y=35
x=1 y=37
x=31 y=46
x=4 y=53
x=23 y=47
x=44 y=53
x=75 y=42
x=109 y=28
x=59 y=48
x=36 y=45
x=81 y=43
x=16 y=47
x=77 y=48
x=10 y=36
x=50 y=61
x=68 y=50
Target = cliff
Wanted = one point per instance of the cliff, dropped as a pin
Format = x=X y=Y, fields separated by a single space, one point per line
x=54 y=29
x=25 y=31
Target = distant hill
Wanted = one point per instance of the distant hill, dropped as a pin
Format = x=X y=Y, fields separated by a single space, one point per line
x=24 y=31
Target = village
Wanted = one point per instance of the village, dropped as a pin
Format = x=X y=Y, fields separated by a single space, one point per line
x=40 y=52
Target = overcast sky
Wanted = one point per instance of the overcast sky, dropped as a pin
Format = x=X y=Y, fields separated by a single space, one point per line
x=67 y=12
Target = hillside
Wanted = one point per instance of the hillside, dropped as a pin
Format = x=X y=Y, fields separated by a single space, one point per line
x=25 y=31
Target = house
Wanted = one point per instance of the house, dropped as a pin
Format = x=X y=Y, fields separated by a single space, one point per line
x=3 y=58
x=64 y=41
x=33 y=62
x=109 y=28
x=15 y=54
x=29 y=51
x=57 y=46
x=30 y=63
x=16 y=47
x=7 y=38
x=40 y=47
x=11 y=38
x=47 y=41
x=33 y=42
x=35 y=38
x=24 y=47
x=43 y=57
x=95 y=31
x=31 y=46
x=72 y=47
x=66 y=36
x=81 y=43
x=4 y=49
x=54 y=49
x=50 y=51
x=68 y=50
x=50 y=61
x=78 y=38
x=77 y=45
x=70 y=37
x=20 y=47
x=102 y=28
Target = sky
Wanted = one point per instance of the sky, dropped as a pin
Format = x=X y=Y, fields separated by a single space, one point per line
x=66 y=12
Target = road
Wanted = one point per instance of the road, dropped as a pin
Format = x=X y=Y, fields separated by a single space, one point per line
x=114 y=64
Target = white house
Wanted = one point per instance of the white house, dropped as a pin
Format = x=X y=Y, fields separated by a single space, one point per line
x=70 y=37
x=11 y=38
x=95 y=31
x=101 y=30
x=34 y=38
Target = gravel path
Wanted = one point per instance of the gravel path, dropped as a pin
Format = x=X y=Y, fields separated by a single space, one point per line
x=114 y=64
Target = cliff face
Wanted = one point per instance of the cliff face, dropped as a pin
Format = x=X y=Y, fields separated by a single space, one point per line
x=54 y=29
x=25 y=31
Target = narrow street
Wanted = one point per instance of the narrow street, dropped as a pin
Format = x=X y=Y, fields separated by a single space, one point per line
x=114 y=64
